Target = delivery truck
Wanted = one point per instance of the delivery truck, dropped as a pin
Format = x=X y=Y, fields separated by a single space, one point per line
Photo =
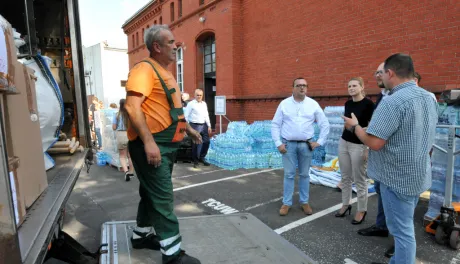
x=40 y=48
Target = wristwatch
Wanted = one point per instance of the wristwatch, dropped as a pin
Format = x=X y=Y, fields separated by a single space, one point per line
x=352 y=128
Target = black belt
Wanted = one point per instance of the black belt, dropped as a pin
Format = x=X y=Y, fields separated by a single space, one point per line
x=198 y=123
x=303 y=141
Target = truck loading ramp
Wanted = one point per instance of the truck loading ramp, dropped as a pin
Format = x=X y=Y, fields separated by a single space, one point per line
x=233 y=239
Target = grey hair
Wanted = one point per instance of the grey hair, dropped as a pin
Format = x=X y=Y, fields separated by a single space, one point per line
x=152 y=34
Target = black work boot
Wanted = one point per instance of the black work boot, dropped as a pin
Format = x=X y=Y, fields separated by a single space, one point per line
x=145 y=240
x=184 y=259
x=205 y=163
x=390 y=252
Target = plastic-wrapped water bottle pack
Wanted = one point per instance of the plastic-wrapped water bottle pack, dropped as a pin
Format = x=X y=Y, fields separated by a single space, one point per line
x=109 y=142
x=336 y=123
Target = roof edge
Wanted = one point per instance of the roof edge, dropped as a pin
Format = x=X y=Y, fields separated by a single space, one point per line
x=142 y=9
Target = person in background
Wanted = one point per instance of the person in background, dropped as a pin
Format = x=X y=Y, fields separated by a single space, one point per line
x=120 y=125
x=292 y=131
x=91 y=110
x=185 y=97
x=418 y=79
x=113 y=106
x=156 y=128
x=98 y=124
x=380 y=228
x=399 y=158
x=353 y=154
x=197 y=115
x=378 y=77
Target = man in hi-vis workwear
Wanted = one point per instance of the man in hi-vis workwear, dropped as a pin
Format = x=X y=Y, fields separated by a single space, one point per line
x=156 y=128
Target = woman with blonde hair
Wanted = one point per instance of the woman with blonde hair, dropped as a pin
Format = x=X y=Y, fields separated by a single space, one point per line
x=120 y=125
x=353 y=153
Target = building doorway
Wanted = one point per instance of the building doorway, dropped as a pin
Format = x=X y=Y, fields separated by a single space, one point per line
x=209 y=69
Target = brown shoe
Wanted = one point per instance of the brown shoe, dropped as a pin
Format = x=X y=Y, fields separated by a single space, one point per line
x=284 y=210
x=307 y=209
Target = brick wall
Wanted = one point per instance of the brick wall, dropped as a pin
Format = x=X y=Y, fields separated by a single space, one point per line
x=329 y=42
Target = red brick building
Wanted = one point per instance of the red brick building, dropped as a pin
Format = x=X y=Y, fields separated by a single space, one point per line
x=251 y=50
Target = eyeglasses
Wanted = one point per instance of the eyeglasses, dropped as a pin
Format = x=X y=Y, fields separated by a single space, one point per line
x=378 y=73
x=199 y=95
x=301 y=86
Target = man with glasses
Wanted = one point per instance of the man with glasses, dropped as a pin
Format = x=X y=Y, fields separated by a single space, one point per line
x=380 y=228
x=292 y=131
x=197 y=115
x=378 y=78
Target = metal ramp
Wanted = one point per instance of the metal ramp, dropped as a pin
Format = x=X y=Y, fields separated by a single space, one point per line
x=229 y=239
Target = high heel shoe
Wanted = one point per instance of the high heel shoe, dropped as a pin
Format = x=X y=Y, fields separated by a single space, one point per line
x=344 y=213
x=354 y=222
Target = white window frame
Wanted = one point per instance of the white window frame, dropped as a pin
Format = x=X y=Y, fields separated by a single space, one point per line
x=180 y=81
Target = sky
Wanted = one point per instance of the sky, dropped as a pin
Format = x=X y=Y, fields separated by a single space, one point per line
x=101 y=20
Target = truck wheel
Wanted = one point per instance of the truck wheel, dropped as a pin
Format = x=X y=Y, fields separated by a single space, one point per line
x=440 y=235
x=454 y=240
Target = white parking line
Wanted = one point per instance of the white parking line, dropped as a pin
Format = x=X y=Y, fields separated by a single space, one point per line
x=187 y=176
x=313 y=217
x=267 y=202
x=349 y=261
x=223 y=179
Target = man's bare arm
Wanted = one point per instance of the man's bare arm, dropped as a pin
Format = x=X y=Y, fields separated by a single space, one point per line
x=373 y=142
x=137 y=117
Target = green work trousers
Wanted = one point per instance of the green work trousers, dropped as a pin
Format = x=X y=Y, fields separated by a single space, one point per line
x=156 y=207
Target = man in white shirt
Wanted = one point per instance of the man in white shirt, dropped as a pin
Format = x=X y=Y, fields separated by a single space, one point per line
x=196 y=113
x=292 y=130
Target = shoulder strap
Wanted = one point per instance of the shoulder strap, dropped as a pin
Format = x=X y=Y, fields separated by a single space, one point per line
x=163 y=84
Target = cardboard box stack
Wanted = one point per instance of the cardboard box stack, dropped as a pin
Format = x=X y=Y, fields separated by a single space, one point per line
x=22 y=127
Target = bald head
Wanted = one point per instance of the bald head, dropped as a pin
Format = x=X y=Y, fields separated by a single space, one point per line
x=378 y=75
x=199 y=95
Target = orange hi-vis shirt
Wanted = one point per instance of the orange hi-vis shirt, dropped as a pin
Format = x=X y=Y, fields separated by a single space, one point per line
x=142 y=79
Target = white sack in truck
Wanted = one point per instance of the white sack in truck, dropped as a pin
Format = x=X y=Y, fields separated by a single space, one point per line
x=7 y=56
x=50 y=104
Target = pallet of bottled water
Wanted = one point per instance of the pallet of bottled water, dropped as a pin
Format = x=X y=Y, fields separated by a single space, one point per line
x=109 y=141
x=334 y=116
x=447 y=115
x=244 y=146
x=251 y=146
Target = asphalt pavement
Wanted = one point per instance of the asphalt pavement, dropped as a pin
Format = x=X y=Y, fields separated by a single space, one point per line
x=103 y=195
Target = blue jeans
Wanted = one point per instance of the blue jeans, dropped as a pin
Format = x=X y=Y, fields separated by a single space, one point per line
x=380 y=221
x=297 y=153
x=201 y=150
x=399 y=211
x=99 y=137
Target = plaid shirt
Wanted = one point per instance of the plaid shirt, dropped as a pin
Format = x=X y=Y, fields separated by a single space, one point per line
x=407 y=121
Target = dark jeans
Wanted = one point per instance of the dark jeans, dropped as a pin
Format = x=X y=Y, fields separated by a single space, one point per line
x=200 y=151
x=380 y=221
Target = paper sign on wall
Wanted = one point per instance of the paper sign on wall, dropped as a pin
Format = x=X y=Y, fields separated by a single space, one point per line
x=220 y=105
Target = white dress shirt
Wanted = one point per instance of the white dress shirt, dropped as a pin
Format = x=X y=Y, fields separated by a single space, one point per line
x=197 y=112
x=97 y=119
x=294 y=121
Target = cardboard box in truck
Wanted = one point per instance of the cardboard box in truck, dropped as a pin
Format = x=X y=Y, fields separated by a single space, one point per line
x=24 y=139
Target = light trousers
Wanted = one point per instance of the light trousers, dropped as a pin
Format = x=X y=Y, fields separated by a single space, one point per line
x=353 y=169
